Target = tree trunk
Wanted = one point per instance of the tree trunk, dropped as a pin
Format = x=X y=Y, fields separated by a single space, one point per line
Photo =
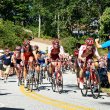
x=39 y=26
x=58 y=34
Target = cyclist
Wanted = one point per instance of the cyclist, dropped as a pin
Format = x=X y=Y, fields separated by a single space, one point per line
x=105 y=45
x=16 y=60
x=55 y=51
x=27 y=58
x=6 y=58
x=86 y=52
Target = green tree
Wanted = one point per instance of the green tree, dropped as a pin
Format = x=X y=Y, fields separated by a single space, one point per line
x=105 y=21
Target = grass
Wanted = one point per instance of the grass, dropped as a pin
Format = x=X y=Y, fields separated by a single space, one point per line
x=106 y=90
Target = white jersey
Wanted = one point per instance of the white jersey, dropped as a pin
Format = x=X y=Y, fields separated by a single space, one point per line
x=83 y=52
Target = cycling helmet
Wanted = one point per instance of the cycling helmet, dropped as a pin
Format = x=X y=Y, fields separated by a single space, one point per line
x=18 y=48
x=89 y=41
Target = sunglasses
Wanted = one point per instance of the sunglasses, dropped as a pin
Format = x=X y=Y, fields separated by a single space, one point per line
x=17 y=50
x=7 y=51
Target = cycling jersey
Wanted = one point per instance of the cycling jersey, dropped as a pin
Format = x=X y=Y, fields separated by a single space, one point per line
x=105 y=45
x=55 y=52
x=41 y=59
x=27 y=52
x=86 y=53
x=17 y=57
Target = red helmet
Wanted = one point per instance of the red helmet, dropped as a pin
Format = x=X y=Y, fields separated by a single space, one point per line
x=26 y=42
x=89 y=41
x=76 y=52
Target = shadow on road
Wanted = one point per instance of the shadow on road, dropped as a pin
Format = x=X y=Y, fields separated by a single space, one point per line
x=105 y=103
x=4 y=108
x=72 y=86
x=68 y=91
x=12 y=81
x=4 y=94
x=44 y=88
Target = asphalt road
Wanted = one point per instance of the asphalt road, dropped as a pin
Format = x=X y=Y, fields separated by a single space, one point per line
x=13 y=97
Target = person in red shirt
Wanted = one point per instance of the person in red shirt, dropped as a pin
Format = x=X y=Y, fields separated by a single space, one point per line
x=86 y=52
x=27 y=58
x=55 y=52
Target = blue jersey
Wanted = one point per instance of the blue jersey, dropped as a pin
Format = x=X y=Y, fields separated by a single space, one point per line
x=6 y=59
x=107 y=45
x=41 y=60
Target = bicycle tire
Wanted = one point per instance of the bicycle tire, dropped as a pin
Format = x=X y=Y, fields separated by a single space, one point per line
x=95 y=88
x=84 y=91
x=53 y=83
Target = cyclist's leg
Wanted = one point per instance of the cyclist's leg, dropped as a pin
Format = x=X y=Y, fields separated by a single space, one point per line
x=59 y=69
x=81 y=75
x=51 y=68
x=25 y=75
x=37 y=69
x=18 y=72
x=31 y=63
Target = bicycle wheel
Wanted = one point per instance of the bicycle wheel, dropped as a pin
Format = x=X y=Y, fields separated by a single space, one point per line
x=32 y=83
x=86 y=85
x=53 y=83
x=85 y=89
x=28 y=84
x=95 y=84
x=59 y=82
x=28 y=81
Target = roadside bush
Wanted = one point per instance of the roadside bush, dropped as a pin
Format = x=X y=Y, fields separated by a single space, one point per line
x=8 y=35
x=69 y=44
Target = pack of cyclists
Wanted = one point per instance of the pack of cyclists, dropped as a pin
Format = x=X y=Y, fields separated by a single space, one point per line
x=26 y=58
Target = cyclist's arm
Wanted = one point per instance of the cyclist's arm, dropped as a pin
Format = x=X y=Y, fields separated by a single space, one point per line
x=61 y=50
x=80 y=54
x=49 y=52
x=35 y=55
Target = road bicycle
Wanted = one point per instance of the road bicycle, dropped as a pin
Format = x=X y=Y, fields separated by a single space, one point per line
x=91 y=80
x=57 y=79
x=32 y=80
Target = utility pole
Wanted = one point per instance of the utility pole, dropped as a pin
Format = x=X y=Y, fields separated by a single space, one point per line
x=58 y=30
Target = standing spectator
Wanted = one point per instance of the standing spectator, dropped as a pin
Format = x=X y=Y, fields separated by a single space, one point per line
x=1 y=65
x=106 y=45
x=6 y=58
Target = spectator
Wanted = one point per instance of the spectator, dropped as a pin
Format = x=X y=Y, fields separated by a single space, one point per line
x=105 y=45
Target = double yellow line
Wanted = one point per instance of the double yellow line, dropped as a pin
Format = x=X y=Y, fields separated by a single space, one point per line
x=53 y=102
